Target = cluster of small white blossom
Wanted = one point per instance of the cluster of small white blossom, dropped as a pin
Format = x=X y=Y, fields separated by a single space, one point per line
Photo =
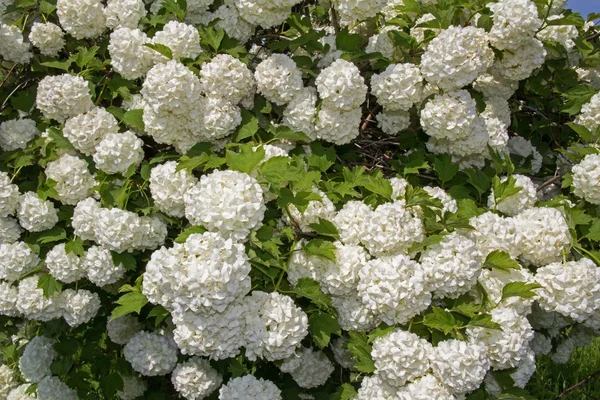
x=119 y=151
x=310 y=369
x=63 y=96
x=47 y=37
x=12 y=46
x=37 y=358
x=249 y=388
x=195 y=379
x=514 y=204
x=86 y=131
x=590 y=114
x=16 y=133
x=586 y=179
x=124 y=13
x=151 y=354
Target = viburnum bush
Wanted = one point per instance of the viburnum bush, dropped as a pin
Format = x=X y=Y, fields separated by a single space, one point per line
x=284 y=199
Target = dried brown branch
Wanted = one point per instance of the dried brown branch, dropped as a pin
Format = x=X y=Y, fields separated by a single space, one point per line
x=583 y=382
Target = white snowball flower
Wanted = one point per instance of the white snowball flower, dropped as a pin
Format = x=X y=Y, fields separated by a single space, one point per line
x=571 y=289
x=118 y=151
x=398 y=87
x=228 y=202
x=34 y=305
x=35 y=214
x=508 y=346
x=16 y=259
x=100 y=268
x=514 y=22
x=523 y=148
x=493 y=281
x=393 y=122
x=35 y=362
x=353 y=315
x=16 y=133
x=226 y=77
x=494 y=232
x=309 y=369
x=232 y=21
x=8 y=300
x=456 y=57
x=20 y=393
x=519 y=64
x=351 y=220
x=219 y=119
x=74 y=182
x=451 y=116
x=81 y=18
x=8 y=380
x=195 y=379
x=460 y=365
x=338 y=127
x=47 y=37
x=394 y=288
x=122 y=329
x=382 y=43
x=525 y=370
x=84 y=218
x=452 y=266
x=372 y=388
x=301 y=112
x=62 y=96
x=278 y=79
x=65 y=267
x=9 y=195
x=181 y=38
x=124 y=13
x=249 y=388
x=266 y=13
x=86 y=131
x=151 y=354
x=217 y=336
x=586 y=179
x=204 y=274
x=541 y=344
x=400 y=357
x=168 y=187
x=562 y=352
x=80 y=306
x=428 y=387
x=542 y=234
x=562 y=34
x=495 y=85
x=133 y=387
x=275 y=326
x=129 y=56
x=316 y=209
x=53 y=388
x=341 y=86
x=352 y=11
x=518 y=202
x=10 y=230
x=12 y=46
x=391 y=229
x=590 y=114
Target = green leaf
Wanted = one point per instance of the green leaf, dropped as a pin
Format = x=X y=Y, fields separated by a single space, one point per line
x=320 y=158
x=246 y=160
x=380 y=332
x=159 y=313
x=191 y=163
x=300 y=199
x=311 y=289
x=321 y=248
x=576 y=97
x=213 y=37
x=24 y=100
x=441 y=320
x=360 y=348
x=501 y=260
x=49 y=236
x=478 y=180
x=594 y=232
x=325 y=228
x=322 y=325
x=247 y=128
x=183 y=236
x=111 y=384
x=129 y=303
x=346 y=41
x=445 y=168
x=582 y=131
x=84 y=56
x=484 y=321
x=134 y=119
x=75 y=246
x=63 y=65
x=161 y=48
x=416 y=196
x=49 y=285
x=47 y=6
x=285 y=133
x=467 y=209
x=126 y=259
x=377 y=184
x=344 y=392
x=520 y=289
x=503 y=190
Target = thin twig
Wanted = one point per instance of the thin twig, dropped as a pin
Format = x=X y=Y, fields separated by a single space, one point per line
x=563 y=394
x=594 y=36
x=548 y=182
x=8 y=75
x=334 y=20
x=369 y=118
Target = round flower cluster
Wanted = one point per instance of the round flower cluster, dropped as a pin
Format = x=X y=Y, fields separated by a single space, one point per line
x=118 y=151
x=16 y=259
x=310 y=369
x=181 y=38
x=195 y=379
x=133 y=387
x=86 y=131
x=586 y=178
x=47 y=37
x=169 y=186
x=124 y=13
x=65 y=267
x=37 y=358
x=250 y=388
x=100 y=268
x=514 y=22
x=53 y=388
x=151 y=354
x=63 y=96
x=514 y=204
x=129 y=55
x=398 y=87
x=81 y=18
x=228 y=202
x=16 y=133
x=226 y=77
x=278 y=79
x=122 y=329
x=12 y=46
x=79 y=306
x=590 y=114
